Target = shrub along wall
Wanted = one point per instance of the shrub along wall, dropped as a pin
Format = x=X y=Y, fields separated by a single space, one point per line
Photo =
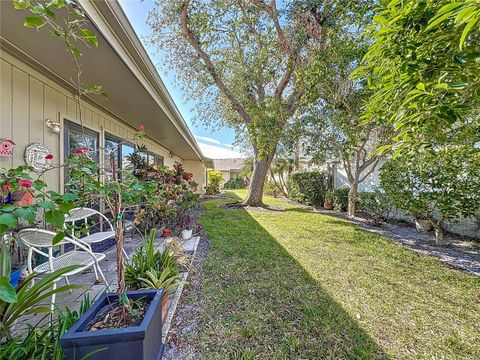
x=307 y=187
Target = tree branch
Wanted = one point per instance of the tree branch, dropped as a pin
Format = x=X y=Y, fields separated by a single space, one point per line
x=191 y=39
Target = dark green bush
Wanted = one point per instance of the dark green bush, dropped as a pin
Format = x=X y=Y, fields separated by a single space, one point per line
x=235 y=184
x=307 y=187
x=270 y=188
x=340 y=199
x=375 y=204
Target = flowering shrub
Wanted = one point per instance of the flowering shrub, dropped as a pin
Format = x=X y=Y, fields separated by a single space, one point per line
x=174 y=196
x=52 y=205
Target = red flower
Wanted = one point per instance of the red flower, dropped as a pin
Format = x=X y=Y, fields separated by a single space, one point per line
x=49 y=157
x=27 y=184
x=187 y=176
x=80 y=151
x=141 y=127
x=6 y=187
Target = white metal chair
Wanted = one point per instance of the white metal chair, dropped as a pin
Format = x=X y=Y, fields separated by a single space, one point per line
x=38 y=239
x=84 y=214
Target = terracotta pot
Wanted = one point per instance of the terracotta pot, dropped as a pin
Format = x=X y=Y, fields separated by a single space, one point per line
x=423 y=225
x=167 y=232
x=328 y=205
x=165 y=299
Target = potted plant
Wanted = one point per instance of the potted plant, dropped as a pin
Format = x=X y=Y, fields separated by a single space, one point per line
x=126 y=322
x=328 y=200
x=153 y=270
x=166 y=232
x=166 y=280
x=186 y=223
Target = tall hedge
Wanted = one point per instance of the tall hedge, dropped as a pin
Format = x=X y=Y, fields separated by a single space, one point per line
x=307 y=187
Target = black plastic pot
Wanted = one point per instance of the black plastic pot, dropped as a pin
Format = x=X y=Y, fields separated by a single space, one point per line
x=143 y=342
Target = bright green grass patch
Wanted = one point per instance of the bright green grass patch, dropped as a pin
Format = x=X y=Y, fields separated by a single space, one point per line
x=298 y=285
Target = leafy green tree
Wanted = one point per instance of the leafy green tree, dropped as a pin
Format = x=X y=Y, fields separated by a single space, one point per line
x=440 y=185
x=423 y=68
x=333 y=129
x=242 y=61
x=118 y=195
x=214 y=180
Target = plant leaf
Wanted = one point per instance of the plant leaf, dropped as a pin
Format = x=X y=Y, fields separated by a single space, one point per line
x=7 y=291
x=33 y=22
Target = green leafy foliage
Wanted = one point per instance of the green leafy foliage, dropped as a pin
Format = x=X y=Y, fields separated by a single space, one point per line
x=49 y=203
x=329 y=196
x=243 y=63
x=214 y=180
x=307 y=187
x=423 y=68
x=146 y=259
x=28 y=298
x=340 y=199
x=167 y=279
x=235 y=183
x=173 y=197
x=374 y=203
x=43 y=342
x=70 y=32
x=441 y=184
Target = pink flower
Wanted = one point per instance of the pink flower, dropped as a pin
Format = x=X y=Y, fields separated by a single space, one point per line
x=141 y=127
x=80 y=151
x=6 y=187
x=27 y=184
x=49 y=157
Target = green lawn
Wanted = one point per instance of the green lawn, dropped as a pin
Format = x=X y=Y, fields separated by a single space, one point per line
x=297 y=285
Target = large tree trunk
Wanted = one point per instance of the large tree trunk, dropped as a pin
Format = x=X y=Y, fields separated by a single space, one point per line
x=255 y=191
x=352 y=200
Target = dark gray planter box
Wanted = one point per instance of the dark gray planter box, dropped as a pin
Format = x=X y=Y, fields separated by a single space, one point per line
x=143 y=342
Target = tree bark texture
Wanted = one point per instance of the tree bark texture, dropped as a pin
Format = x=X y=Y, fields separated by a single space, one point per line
x=255 y=191
x=352 y=200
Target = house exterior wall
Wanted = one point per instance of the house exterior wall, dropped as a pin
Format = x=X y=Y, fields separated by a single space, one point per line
x=225 y=176
x=28 y=98
x=340 y=178
x=199 y=173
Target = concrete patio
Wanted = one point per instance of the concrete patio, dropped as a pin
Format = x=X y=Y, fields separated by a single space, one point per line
x=93 y=289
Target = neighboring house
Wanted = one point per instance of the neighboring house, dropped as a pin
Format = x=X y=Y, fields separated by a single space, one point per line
x=230 y=168
x=36 y=91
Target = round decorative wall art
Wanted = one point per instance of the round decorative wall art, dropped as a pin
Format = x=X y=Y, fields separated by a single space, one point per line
x=36 y=156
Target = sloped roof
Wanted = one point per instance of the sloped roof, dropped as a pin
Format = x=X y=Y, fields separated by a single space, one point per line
x=121 y=65
x=228 y=164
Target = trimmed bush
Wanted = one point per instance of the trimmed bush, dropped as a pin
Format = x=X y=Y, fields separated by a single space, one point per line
x=234 y=184
x=307 y=187
x=340 y=199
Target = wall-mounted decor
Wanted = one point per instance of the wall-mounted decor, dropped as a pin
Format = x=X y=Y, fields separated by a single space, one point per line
x=6 y=147
x=36 y=155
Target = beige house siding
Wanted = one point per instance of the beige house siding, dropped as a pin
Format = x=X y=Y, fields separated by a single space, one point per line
x=199 y=173
x=28 y=98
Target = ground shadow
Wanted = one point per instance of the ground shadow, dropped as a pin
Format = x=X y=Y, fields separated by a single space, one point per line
x=259 y=302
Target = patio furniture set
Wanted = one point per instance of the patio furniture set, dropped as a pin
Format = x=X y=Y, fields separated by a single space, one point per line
x=80 y=253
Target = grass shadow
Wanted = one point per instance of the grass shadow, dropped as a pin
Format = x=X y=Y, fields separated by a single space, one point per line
x=260 y=302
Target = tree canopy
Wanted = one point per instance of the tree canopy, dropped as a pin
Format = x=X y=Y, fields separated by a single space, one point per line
x=244 y=61
x=423 y=65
